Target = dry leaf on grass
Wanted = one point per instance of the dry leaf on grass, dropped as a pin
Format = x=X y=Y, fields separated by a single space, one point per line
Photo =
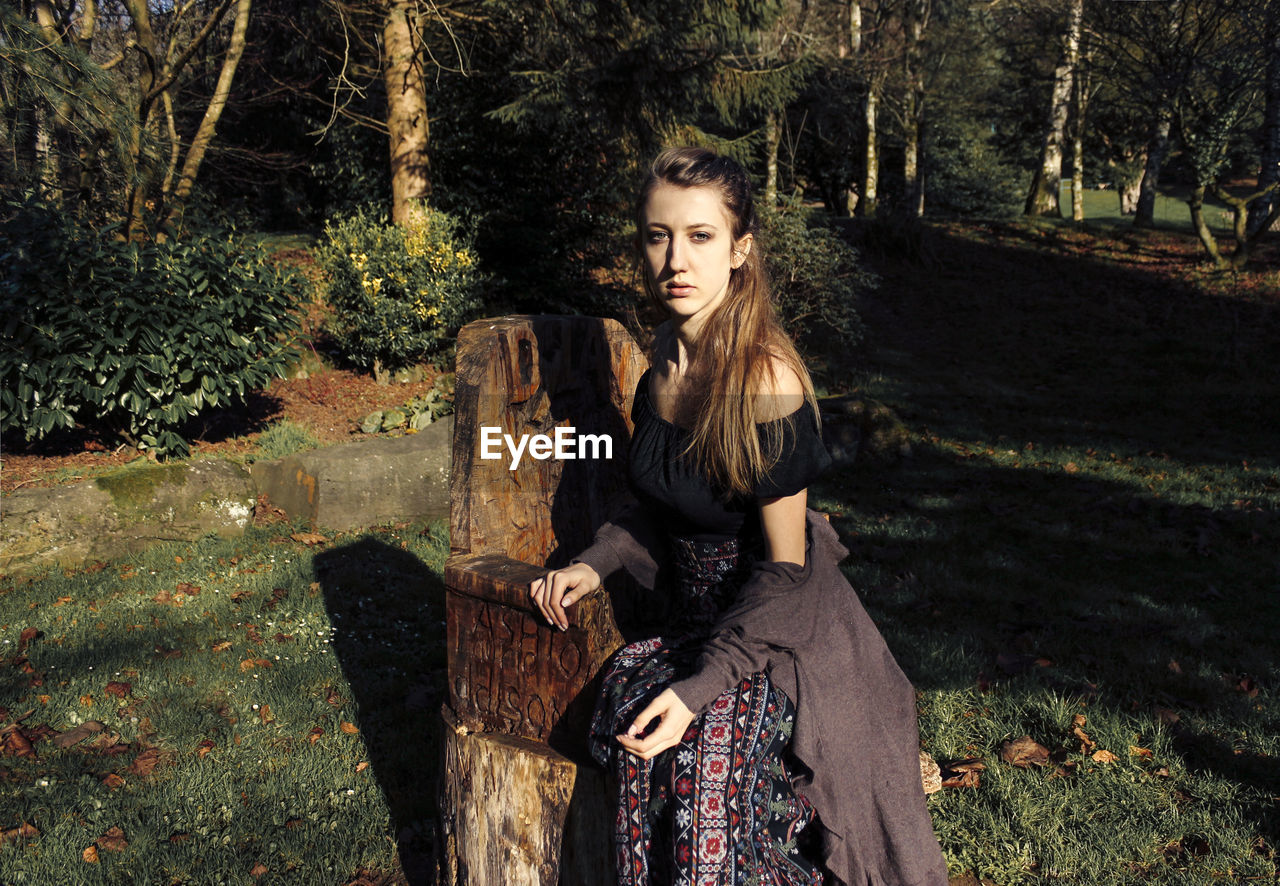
x=1024 y=752
x=78 y=734
x=113 y=781
x=264 y=714
x=16 y=744
x=1104 y=756
x=258 y=870
x=221 y=646
x=23 y=831
x=315 y=733
x=349 y=728
x=1140 y=752
x=362 y=766
x=112 y=841
x=90 y=854
x=119 y=689
x=145 y=763
x=309 y=538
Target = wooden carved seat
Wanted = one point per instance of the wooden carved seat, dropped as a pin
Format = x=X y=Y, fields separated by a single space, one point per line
x=515 y=806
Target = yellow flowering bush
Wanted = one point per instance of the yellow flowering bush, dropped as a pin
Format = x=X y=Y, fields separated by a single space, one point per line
x=399 y=292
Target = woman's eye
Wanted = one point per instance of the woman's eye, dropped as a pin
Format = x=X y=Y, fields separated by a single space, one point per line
x=701 y=237
x=657 y=236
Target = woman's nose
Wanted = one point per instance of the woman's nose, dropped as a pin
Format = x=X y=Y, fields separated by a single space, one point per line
x=678 y=256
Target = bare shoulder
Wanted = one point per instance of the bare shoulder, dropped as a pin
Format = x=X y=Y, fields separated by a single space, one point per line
x=781 y=390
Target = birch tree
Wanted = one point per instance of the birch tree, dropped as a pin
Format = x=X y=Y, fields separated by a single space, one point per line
x=1043 y=198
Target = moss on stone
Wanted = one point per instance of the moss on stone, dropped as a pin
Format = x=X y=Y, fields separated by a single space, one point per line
x=134 y=487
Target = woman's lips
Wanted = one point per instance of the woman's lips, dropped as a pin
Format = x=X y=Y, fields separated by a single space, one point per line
x=679 y=289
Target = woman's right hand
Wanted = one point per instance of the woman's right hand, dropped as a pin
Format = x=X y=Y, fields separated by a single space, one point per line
x=561 y=588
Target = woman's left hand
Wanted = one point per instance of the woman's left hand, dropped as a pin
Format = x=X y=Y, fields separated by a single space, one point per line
x=675 y=718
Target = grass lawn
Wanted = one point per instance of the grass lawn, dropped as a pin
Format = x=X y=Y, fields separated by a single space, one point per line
x=1083 y=549
x=251 y=711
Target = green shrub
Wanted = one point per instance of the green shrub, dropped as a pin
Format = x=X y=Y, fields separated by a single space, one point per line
x=132 y=338
x=816 y=279
x=285 y=438
x=965 y=175
x=398 y=292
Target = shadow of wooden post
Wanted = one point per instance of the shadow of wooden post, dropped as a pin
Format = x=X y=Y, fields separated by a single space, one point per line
x=517 y=805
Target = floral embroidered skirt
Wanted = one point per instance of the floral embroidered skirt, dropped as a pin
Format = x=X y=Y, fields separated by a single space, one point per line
x=718 y=809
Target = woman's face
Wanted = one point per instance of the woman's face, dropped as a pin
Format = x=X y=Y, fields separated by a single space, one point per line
x=689 y=250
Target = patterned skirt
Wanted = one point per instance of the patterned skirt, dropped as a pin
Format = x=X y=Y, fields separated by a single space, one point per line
x=717 y=809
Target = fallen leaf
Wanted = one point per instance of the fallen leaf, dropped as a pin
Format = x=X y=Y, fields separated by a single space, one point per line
x=27 y=636
x=188 y=589
x=960 y=778
x=246 y=665
x=113 y=840
x=179 y=837
x=333 y=698
x=90 y=855
x=264 y=663
x=362 y=766
x=113 y=781
x=315 y=733
x=1162 y=772
x=258 y=870
x=203 y=749
x=1174 y=666
x=293 y=823
x=264 y=714
x=86 y=700
x=309 y=538
x=119 y=689
x=145 y=763
x=221 y=646
x=1087 y=744
x=1024 y=752
x=23 y=831
x=1104 y=756
x=78 y=734
x=1140 y=752
x=1079 y=721
x=349 y=728
x=1072 y=467
x=166 y=652
x=16 y=744
x=237 y=596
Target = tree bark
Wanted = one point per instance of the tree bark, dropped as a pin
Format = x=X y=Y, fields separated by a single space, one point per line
x=1080 y=88
x=917 y=16
x=1157 y=147
x=1269 y=173
x=1043 y=198
x=407 y=118
x=212 y=113
x=871 y=174
x=772 y=140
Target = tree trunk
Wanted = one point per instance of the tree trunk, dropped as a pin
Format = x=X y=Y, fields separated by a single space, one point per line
x=917 y=14
x=1157 y=147
x=772 y=140
x=1081 y=105
x=871 y=175
x=212 y=113
x=1043 y=198
x=407 y=120
x=1210 y=243
x=515 y=811
x=1269 y=172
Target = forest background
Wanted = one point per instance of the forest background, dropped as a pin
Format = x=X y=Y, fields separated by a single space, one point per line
x=1037 y=230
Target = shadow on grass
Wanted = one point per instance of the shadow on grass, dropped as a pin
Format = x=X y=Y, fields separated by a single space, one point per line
x=1090 y=514
x=387 y=609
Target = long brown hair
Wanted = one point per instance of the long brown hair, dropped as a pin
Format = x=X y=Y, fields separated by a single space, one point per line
x=739 y=342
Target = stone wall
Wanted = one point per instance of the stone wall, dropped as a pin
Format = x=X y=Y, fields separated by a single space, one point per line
x=341 y=487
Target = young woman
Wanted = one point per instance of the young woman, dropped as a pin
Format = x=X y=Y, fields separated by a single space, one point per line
x=769 y=702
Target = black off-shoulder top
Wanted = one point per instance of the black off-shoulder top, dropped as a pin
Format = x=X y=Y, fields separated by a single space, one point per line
x=686 y=502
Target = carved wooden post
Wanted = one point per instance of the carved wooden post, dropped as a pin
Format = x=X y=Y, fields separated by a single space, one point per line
x=515 y=806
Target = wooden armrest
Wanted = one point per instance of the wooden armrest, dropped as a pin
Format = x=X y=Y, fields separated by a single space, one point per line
x=494 y=578
x=510 y=671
